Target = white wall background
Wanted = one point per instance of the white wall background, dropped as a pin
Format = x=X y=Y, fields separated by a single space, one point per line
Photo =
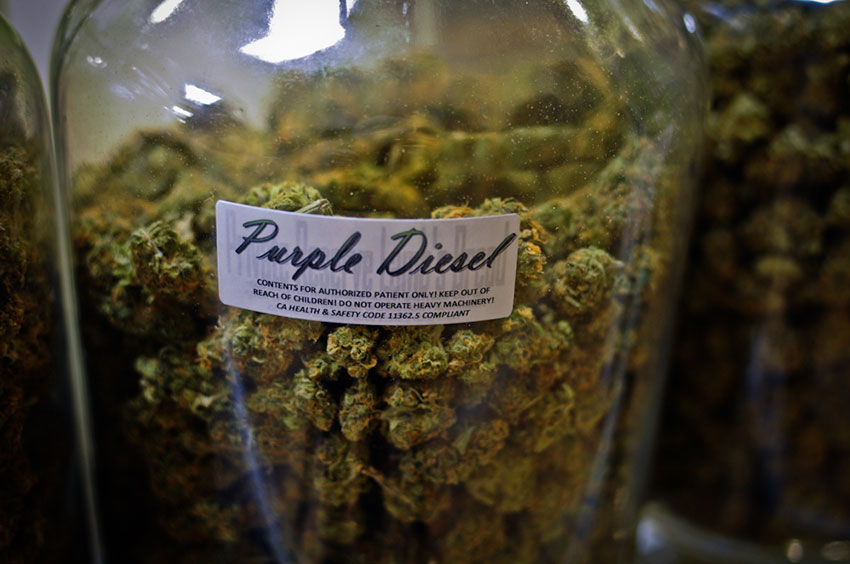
x=35 y=21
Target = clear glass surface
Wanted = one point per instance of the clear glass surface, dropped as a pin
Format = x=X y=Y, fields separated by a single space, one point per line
x=37 y=476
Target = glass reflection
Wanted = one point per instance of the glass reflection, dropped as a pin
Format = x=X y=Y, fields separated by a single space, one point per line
x=298 y=29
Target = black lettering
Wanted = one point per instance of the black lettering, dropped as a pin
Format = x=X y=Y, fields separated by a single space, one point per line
x=255 y=236
x=312 y=260
x=443 y=264
x=278 y=255
x=405 y=237
x=502 y=246
x=424 y=266
x=458 y=264
x=352 y=260
x=477 y=262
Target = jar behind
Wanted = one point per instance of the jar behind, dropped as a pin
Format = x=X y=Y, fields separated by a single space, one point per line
x=755 y=443
x=229 y=435
x=38 y=481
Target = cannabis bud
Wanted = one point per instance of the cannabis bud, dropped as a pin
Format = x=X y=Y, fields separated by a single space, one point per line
x=754 y=443
x=34 y=436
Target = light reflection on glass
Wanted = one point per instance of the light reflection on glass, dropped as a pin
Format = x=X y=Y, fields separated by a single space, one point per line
x=836 y=551
x=794 y=551
x=631 y=27
x=651 y=5
x=690 y=23
x=578 y=10
x=298 y=29
x=182 y=114
x=649 y=536
x=95 y=61
x=164 y=11
x=199 y=95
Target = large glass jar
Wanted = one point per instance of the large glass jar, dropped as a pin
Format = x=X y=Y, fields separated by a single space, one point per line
x=473 y=384
x=38 y=484
x=756 y=436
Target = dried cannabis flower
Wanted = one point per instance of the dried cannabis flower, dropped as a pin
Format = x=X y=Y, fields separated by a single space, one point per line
x=458 y=443
x=30 y=484
x=754 y=443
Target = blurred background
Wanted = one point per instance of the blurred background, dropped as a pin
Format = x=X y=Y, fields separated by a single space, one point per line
x=35 y=21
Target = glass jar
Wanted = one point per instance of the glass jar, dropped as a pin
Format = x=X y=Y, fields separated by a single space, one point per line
x=452 y=352
x=755 y=441
x=37 y=475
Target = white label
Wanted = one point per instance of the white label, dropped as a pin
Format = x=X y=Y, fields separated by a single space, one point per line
x=366 y=271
